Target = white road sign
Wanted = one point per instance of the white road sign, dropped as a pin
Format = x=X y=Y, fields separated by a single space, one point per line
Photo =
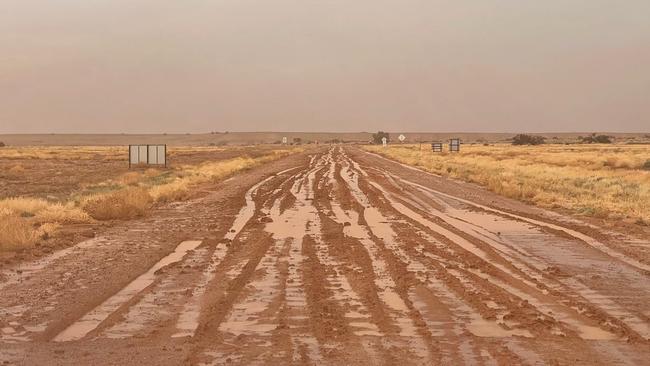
x=402 y=138
x=384 y=140
x=284 y=140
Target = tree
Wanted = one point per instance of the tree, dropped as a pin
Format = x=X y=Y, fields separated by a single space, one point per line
x=523 y=139
x=297 y=140
x=2 y=144
x=377 y=137
x=596 y=139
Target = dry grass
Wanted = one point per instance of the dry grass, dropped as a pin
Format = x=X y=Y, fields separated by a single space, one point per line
x=64 y=152
x=178 y=189
x=596 y=180
x=25 y=220
x=124 y=204
x=16 y=233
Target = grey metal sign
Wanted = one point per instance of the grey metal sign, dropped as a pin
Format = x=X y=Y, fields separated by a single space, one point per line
x=436 y=146
x=454 y=145
x=147 y=155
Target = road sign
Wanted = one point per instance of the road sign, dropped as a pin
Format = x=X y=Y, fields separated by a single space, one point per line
x=384 y=140
x=147 y=155
x=436 y=146
x=454 y=145
x=284 y=140
x=402 y=138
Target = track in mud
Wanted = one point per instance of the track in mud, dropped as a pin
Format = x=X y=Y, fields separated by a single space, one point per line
x=340 y=260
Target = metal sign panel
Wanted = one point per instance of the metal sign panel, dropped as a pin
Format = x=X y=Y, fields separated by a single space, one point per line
x=436 y=146
x=402 y=138
x=454 y=145
x=148 y=154
x=383 y=141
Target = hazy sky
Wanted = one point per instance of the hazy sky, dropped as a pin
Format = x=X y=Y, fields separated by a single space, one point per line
x=324 y=65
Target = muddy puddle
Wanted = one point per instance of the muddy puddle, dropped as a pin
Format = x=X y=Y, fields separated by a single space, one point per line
x=91 y=320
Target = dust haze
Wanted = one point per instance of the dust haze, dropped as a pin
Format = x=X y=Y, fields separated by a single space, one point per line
x=166 y=66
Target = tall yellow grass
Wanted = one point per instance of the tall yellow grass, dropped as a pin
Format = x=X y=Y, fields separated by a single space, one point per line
x=25 y=220
x=596 y=180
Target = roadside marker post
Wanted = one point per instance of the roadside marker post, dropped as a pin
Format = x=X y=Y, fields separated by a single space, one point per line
x=384 y=141
x=402 y=138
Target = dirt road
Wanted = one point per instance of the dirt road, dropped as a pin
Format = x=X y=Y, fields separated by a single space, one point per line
x=335 y=256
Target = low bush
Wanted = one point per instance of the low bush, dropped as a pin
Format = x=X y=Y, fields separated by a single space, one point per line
x=523 y=139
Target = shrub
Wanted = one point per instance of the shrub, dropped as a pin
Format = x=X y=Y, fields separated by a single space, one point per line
x=2 y=144
x=596 y=139
x=523 y=139
x=123 y=204
x=43 y=211
x=377 y=137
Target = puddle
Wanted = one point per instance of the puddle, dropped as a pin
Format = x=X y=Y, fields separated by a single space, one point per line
x=91 y=320
x=246 y=212
x=585 y=238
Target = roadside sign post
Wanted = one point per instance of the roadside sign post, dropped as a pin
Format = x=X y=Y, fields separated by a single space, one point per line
x=384 y=141
x=436 y=146
x=148 y=155
x=402 y=138
x=284 y=140
x=454 y=145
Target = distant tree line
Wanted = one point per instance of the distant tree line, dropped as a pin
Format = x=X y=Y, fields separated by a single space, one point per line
x=523 y=139
x=596 y=139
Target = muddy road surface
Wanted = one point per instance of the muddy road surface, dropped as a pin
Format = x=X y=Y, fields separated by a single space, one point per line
x=335 y=256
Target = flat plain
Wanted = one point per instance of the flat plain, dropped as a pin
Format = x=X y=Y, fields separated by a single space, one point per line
x=330 y=254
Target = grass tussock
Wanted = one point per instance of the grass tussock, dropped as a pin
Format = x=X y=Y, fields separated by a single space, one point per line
x=602 y=181
x=124 y=204
x=17 y=233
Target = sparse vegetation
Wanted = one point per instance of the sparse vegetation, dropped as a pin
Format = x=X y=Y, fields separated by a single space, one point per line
x=26 y=220
x=595 y=180
x=2 y=144
x=377 y=137
x=596 y=139
x=523 y=139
